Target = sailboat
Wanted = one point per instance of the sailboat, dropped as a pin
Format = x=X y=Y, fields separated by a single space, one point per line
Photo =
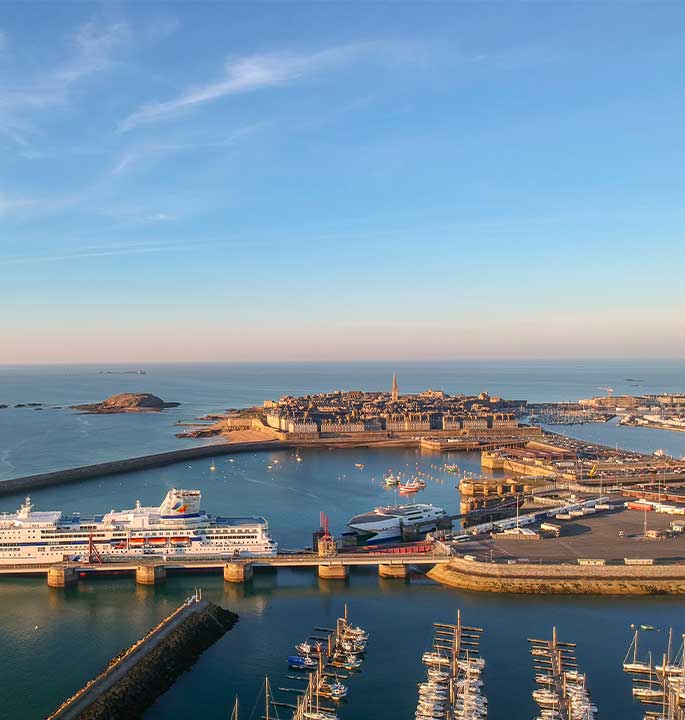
x=236 y=705
x=636 y=666
x=648 y=694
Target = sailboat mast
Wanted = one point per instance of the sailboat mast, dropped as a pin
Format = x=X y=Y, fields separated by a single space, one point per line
x=266 y=696
x=635 y=652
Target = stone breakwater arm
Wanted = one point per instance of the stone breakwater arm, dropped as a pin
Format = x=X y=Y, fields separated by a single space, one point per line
x=144 y=462
x=134 y=679
x=561 y=578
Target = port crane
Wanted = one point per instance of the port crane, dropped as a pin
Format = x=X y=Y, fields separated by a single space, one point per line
x=609 y=391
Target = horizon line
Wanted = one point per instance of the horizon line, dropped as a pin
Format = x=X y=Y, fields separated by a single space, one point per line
x=389 y=361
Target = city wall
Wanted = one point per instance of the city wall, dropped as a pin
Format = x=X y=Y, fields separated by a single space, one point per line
x=561 y=578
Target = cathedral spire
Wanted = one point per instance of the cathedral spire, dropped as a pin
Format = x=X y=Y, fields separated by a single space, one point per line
x=395 y=391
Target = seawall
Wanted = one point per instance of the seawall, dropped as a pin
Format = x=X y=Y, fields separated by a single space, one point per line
x=561 y=578
x=137 y=677
x=144 y=462
x=28 y=483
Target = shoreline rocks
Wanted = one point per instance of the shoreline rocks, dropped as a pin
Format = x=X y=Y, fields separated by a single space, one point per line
x=126 y=403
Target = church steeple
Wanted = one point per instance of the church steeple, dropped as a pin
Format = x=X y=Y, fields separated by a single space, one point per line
x=395 y=391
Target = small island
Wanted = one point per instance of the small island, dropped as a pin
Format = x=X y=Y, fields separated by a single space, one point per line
x=126 y=403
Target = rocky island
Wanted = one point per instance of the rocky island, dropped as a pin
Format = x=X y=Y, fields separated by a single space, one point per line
x=126 y=403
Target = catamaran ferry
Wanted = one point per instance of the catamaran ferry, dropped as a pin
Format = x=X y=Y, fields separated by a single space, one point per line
x=383 y=524
x=177 y=528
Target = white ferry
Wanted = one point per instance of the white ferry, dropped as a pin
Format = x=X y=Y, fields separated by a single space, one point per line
x=383 y=524
x=178 y=527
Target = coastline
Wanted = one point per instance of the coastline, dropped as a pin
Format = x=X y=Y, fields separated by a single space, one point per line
x=561 y=579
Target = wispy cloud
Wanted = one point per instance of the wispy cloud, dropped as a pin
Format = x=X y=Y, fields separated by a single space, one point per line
x=8 y=204
x=91 y=50
x=248 y=74
x=98 y=252
x=145 y=152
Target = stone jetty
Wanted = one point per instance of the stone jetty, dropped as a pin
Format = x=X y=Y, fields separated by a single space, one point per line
x=135 y=678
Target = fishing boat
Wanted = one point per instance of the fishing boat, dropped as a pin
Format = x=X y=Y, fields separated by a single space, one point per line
x=301 y=662
x=411 y=486
x=391 y=480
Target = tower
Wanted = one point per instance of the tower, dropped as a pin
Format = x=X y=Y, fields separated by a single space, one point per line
x=395 y=391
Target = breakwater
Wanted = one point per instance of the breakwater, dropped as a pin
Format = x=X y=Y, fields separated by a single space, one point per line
x=29 y=483
x=134 y=679
x=561 y=578
x=143 y=462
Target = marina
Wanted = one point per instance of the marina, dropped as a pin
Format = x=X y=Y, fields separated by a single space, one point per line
x=562 y=692
x=453 y=686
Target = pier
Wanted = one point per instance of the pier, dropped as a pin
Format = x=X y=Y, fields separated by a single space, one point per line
x=453 y=688
x=562 y=688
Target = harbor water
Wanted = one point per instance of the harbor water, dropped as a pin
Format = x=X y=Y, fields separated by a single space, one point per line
x=54 y=641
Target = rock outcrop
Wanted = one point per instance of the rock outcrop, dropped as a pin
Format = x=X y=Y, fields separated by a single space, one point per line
x=127 y=403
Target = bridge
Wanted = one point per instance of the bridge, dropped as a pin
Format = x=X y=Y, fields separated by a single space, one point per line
x=334 y=566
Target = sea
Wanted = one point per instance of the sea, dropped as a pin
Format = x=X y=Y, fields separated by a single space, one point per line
x=53 y=641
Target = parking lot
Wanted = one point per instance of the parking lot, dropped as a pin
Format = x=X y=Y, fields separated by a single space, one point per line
x=595 y=536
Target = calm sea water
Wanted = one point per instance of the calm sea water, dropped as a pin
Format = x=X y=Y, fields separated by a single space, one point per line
x=79 y=630
x=55 y=437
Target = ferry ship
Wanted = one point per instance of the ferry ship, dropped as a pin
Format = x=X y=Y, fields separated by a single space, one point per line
x=383 y=524
x=177 y=528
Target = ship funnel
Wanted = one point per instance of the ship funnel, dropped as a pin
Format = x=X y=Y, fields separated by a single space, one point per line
x=180 y=503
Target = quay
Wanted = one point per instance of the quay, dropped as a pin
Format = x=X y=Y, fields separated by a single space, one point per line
x=238 y=570
x=137 y=676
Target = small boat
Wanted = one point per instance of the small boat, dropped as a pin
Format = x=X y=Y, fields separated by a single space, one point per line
x=646 y=627
x=391 y=480
x=136 y=541
x=359 y=465
x=412 y=486
x=298 y=458
x=157 y=541
x=180 y=540
x=212 y=467
x=299 y=662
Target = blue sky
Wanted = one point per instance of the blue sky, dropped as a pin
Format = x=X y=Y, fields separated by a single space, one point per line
x=215 y=181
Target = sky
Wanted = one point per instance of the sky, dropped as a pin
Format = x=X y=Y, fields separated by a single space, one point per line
x=391 y=180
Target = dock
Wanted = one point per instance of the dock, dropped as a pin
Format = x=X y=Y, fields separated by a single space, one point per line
x=453 y=686
x=660 y=685
x=562 y=687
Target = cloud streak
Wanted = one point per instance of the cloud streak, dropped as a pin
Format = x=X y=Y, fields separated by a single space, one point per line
x=134 y=156
x=96 y=252
x=91 y=51
x=249 y=74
